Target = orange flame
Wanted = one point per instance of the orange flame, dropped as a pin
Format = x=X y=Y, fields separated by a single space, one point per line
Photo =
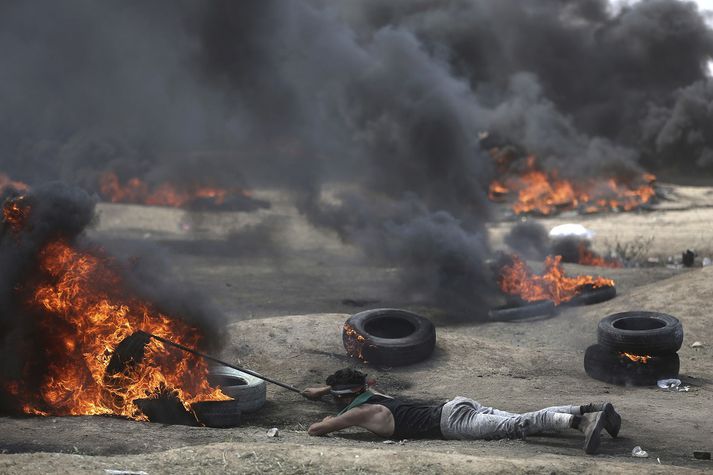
x=518 y=279
x=545 y=193
x=6 y=182
x=637 y=358
x=85 y=314
x=587 y=257
x=165 y=194
x=354 y=343
x=15 y=212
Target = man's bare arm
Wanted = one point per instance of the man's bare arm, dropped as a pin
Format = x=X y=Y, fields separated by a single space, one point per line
x=316 y=393
x=354 y=417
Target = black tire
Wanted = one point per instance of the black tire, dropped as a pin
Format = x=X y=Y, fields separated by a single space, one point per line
x=641 y=333
x=249 y=391
x=613 y=368
x=591 y=295
x=391 y=337
x=219 y=414
x=165 y=411
x=527 y=311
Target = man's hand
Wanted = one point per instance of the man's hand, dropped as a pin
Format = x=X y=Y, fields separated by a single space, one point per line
x=315 y=393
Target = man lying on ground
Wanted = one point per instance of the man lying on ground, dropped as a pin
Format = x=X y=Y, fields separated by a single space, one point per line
x=460 y=418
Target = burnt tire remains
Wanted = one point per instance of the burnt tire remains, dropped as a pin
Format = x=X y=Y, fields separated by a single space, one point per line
x=614 y=368
x=389 y=337
x=641 y=333
x=589 y=295
x=218 y=414
x=526 y=311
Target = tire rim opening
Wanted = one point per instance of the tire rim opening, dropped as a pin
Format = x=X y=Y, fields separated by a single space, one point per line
x=390 y=327
x=638 y=323
x=225 y=381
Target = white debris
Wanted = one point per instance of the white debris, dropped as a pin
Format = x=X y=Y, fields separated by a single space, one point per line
x=668 y=383
x=389 y=442
x=696 y=344
x=706 y=261
x=638 y=452
x=109 y=471
x=672 y=385
x=572 y=230
x=273 y=432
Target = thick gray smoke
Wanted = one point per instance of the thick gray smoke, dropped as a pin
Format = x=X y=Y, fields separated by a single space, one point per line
x=388 y=96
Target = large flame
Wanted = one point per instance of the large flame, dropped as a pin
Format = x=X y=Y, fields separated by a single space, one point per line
x=137 y=191
x=84 y=312
x=518 y=279
x=540 y=192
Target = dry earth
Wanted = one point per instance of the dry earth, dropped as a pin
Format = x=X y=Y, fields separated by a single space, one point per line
x=283 y=308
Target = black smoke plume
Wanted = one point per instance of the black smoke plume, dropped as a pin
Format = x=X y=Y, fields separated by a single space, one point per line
x=383 y=100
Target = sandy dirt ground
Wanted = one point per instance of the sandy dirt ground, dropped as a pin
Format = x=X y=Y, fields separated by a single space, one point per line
x=287 y=309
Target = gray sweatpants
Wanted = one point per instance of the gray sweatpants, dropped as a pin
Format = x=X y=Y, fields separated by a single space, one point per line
x=464 y=418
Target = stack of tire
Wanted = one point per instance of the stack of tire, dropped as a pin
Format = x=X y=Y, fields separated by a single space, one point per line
x=652 y=338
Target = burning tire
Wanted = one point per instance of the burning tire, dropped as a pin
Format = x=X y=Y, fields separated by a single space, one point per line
x=249 y=391
x=525 y=311
x=590 y=295
x=614 y=367
x=218 y=414
x=389 y=337
x=641 y=333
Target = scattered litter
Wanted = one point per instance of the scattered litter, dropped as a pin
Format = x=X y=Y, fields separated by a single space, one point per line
x=389 y=442
x=652 y=260
x=706 y=261
x=672 y=385
x=638 y=452
x=109 y=471
x=572 y=230
x=402 y=442
x=658 y=460
x=273 y=432
x=696 y=344
x=701 y=455
x=668 y=383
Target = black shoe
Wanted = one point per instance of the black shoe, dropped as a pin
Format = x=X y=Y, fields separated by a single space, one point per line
x=612 y=420
x=592 y=425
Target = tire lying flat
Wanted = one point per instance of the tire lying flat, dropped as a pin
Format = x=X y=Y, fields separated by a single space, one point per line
x=249 y=391
x=609 y=366
x=526 y=311
x=391 y=337
x=591 y=295
x=641 y=333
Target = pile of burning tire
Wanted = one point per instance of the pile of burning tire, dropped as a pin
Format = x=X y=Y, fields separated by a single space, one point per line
x=635 y=348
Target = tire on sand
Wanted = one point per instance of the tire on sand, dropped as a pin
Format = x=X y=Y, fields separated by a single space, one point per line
x=641 y=333
x=391 y=337
x=218 y=414
x=249 y=391
x=613 y=368
x=527 y=311
x=590 y=295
